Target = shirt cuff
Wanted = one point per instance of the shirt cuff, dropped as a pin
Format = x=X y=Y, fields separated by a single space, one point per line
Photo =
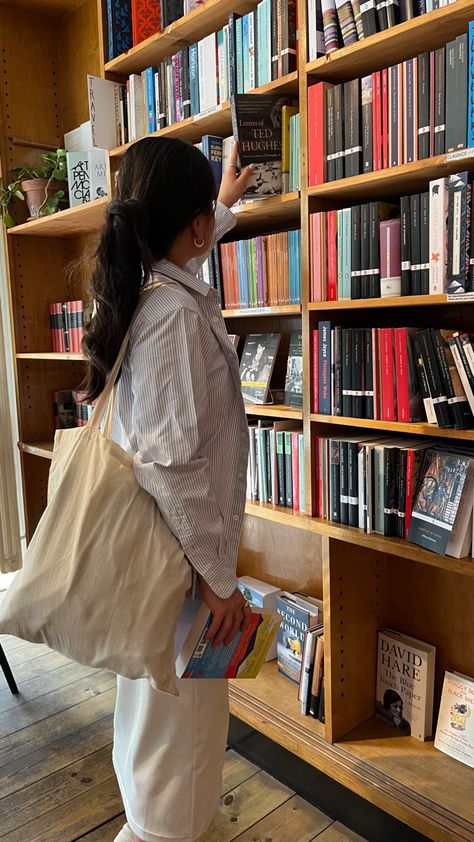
x=225 y=220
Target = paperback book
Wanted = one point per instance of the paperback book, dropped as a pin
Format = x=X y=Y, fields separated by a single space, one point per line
x=455 y=727
x=257 y=127
x=256 y=365
x=299 y=612
x=294 y=371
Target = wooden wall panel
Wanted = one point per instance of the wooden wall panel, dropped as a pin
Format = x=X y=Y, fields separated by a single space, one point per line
x=78 y=37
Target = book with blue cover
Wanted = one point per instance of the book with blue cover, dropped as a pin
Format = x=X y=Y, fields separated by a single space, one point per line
x=119 y=22
x=212 y=149
x=298 y=613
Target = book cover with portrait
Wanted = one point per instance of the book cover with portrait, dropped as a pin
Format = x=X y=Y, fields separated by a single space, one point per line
x=405 y=683
x=455 y=728
x=256 y=365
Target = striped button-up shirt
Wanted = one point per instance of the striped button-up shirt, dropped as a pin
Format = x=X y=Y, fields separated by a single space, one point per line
x=179 y=412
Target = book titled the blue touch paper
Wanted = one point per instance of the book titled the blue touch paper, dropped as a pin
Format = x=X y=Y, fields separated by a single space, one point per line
x=242 y=658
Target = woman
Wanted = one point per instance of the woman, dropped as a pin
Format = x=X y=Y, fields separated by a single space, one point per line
x=179 y=413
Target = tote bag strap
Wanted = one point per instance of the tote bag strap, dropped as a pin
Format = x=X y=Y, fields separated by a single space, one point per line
x=105 y=401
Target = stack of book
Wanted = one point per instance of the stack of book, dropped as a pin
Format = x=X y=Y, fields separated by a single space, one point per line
x=338 y=23
x=276 y=465
x=408 y=112
x=262 y=271
x=423 y=247
x=70 y=410
x=419 y=491
x=66 y=321
x=300 y=648
x=394 y=374
x=250 y=51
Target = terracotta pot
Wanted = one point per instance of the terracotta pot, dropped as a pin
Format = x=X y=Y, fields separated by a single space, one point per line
x=34 y=192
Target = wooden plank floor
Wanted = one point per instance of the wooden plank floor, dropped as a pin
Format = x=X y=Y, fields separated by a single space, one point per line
x=57 y=782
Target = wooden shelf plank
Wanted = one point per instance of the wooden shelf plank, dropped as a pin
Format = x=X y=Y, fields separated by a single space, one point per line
x=201 y=22
x=415 y=429
x=352 y=535
x=265 y=214
x=248 y=312
x=404 y=41
x=71 y=222
x=274 y=411
x=52 y=356
x=217 y=122
x=38 y=448
x=375 y=303
x=391 y=182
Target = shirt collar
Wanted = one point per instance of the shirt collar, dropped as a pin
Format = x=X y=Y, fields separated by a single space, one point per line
x=183 y=276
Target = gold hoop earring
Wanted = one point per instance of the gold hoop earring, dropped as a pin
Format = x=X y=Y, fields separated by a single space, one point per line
x=199 y=244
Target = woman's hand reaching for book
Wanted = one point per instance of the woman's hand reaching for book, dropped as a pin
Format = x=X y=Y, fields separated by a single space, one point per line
x=228 y=615
x=233 y=184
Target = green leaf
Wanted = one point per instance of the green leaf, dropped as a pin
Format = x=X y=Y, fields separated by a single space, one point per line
x=60 y=194
x=8 y=220
x=19 y=195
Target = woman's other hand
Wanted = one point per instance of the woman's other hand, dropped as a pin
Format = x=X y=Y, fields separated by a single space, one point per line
x=228 y=615
x=232 y=185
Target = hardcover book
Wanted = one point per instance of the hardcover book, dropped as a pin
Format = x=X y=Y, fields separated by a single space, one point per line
x=87 y=176
x=405 y=683
x=256 y=365
x=257 y=126
x=294 y=371
x=146 y=19
x=297 y=614
x=243 y=658
x=455 y=727
x=262 y=596
x=119 y=22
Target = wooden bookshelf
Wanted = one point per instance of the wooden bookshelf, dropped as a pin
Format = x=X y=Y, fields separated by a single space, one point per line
x=365 y=580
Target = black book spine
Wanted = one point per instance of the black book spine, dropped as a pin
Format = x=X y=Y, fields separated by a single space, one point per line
x=280 y=451
x=421 y=375
x=343 y=459
x=459 y=410
x=382 y=15
x=338 y=370
x=355 y=252
x=368 y=374
x=163 y=94
x=407 y=11
x=393 y=13
x=346 y=372
x=401 y=503
x=268 y=460
x=335 y=481
x=171 y=10
x=423 y=106
x=405 y=248
x=353 y=483
x=330 y=136
x=439 y=102
x=451 y=96
x=464 y=360
x=339 y=130
x=390 y=489
x=217 y=264
x=421 y=7
x=364 y=250
x=435 y=384
x=461 y=98
x=367 y=125
x=368 y=12
x=274 y=37
x=232 y=54
x=358 y=397
x=352 y=128
x=374 y=250
x=288 y=24
x=184 y=84
x=288 y=472
x=415 y=244
x=459 y=190
x=321 y=712
x=424 y=243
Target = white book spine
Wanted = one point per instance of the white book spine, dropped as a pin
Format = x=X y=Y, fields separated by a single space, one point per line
x=360 y=465
x=207 y=72
x=438 y=235
x=78 y=178
x=309 y=650
x=98 y=162
x=312 y=30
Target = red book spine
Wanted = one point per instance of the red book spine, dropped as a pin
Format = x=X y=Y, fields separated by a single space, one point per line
x=295 y=471
x=332 y=255
x=384 y=118
x=80 y=325
x=70 y=326
x=432 y=102
x=401 y=363
x=146 y=19
x=177 y=99
x=315 y=349
x=375 y=373
x=409 y=491
x=375 y=119
x=387 y=374
x=317 y=133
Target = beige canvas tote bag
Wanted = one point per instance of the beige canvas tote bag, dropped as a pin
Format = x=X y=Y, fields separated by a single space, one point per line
x=104 y=579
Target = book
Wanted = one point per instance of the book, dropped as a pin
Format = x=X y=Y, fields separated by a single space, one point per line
x=243 y=658
x=298 y=614
x=442 y=509
x=257 y=127
x=146 y=19
x=263 y=596
x=294 y=371
x=119 y=24
x=256 y=365
x=212 y=149
x=316 y=679
x=87 y=176
x=307 y=667
x=455 y=727
x=405 y=683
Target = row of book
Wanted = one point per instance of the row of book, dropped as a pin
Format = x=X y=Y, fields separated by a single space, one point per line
x=419 y=491
x=404 y=113
x=250 y=51
x=129 y=22
x=276 y=464
x=70 y=410
x=262 y=271
x=338 y=23
x=67 y=320
x=376 y=250
x=258 y=361
x=394 y=374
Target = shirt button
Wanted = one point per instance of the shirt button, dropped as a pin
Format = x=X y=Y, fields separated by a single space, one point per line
x=236 y=518
x=215 y=319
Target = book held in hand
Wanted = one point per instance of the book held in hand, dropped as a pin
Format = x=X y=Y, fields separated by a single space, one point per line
x=262 y=596
x=256 y=365
x=257 y=126
x=405 y=683
x=455 y=727
x=243 y=658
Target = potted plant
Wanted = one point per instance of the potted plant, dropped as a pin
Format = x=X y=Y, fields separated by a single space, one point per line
x=40 y=185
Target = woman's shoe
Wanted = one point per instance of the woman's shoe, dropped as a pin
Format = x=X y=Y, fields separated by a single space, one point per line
x=125 y=835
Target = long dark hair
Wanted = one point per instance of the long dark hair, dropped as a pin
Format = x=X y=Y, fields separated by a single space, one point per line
x=162 y=186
